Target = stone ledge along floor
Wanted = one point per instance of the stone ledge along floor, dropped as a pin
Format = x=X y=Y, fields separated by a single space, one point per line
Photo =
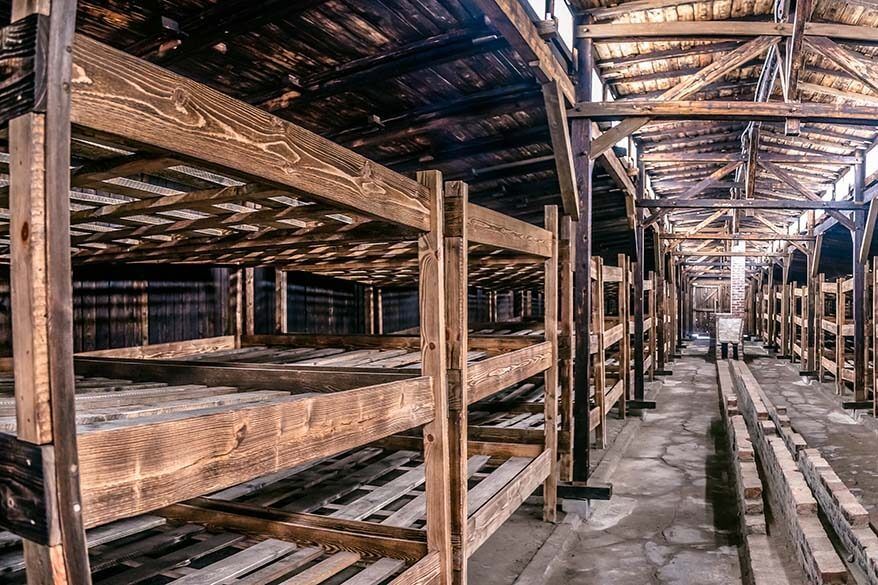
x=672 y=517
x=846 y=442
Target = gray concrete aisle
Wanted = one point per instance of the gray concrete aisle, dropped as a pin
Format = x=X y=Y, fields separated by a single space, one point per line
x=672 y=518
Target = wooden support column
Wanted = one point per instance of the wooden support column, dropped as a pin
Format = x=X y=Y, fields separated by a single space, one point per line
x=638 y=289
x=249 y=301
x=840 y=319
x=379 y=312
x=581 y=134
x=660 y=302
x=874 y=330
x=600 y=355
x=672 y=310
x=456 y=198
x=280 y=301
x=625 y=343
x=565 y=342
x=143 y=285
x=859 y=291
x=652 y=316
x=431 y=297
x=819 y=334
x=772 y=308
x=369 y=309
x=785 y=318
x=235 y=322
x=550 y=376
x=42 y=302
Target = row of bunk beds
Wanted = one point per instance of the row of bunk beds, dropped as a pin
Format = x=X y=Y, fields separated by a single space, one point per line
x=828 y=351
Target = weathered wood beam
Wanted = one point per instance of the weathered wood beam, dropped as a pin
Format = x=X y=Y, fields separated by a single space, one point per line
x=687 y=88
x=556 y=114
x=746 y=237
x=722 y=28
x=858 y=65
x=708 y=182
x=807 y=193
x=215 y=129
x=748 y=204
x=795 y=57
x=727 y=110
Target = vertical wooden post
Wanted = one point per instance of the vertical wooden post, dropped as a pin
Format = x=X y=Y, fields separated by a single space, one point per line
x=42 y=299
x=144 y=312
x=235 y=324
x=580 y=135
x=550 y=376
x=672 y=308
x=625 y=343
x=250 y=301
x=456 y=278
x=379 y=312
x=859 y=289
x=653 y=317
x=280 y=301
x=840 y=318
x=819 y=335
x=785 y=308
x=565 y=283
x=772 y=307
x=369 y=309
x=659 y=285
x=874 y=329
x=638 y=289
x=600 y=356
x=431 y=287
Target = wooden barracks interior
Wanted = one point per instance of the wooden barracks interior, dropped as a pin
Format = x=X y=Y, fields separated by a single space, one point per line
x=409 y=292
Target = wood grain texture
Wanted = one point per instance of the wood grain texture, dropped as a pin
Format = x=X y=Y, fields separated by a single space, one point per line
x=137 y=466
x=550 y=376
x=24 y=45
x=494 y=374
x=26 y=478
x=120 y=94
x=485 y=226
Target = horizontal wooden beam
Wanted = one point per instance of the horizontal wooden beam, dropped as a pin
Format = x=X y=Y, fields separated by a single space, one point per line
x=739 y=238
x=244 y=376
x=491 y=375
x=723 y=157
x=722 y=28
x=118 y=94
x=728 y=110
x=492 y=228
x=747 y=204
x=138 y=467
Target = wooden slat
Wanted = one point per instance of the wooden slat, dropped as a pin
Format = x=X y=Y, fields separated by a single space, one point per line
x=117 y=93
x=492 y=228
x=188 y=346
x=26 y=507
x=133 y=467
x=494 y=374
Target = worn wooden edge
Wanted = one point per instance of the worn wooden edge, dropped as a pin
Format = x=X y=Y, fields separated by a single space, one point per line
x=159 y=349
x=492 y=228
x=491 y=375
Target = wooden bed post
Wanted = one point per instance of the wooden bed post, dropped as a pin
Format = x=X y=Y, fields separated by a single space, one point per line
x=600 y=355
x=431 y=297
x=235 y=323
x=369 y=309
x=653 y=316
x=840 y=318
x=280 y=301
x=249 y=301
x=565 y=283
x=859 y=289
x=581 y=136
x=456 y=286
x=638 y=268
x=819 y=336
x=550 y=376
x=874 y=330
x=625 y=343
x=659 y=286
x=772 y=307
x=42 y=303
x=379 y=311
x=785 y=308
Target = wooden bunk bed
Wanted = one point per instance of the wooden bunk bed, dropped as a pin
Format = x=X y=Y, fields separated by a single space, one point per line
x=249 y=189
x=799 y=325
x=501 y=459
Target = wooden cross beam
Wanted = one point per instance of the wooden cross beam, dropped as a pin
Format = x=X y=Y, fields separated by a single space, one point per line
x=748 y=204
x=795 y=56
x=760 y=218
x=727 y=111
x=698 y=188
x=690 y=86
x=858 y=65
x=792 y=182
x=704 y=29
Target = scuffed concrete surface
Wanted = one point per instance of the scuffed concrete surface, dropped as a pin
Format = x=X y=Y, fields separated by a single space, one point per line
x=672 y=517
x=815 y=412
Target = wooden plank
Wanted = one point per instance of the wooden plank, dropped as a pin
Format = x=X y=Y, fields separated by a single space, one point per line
x=323 y=340
x=242 y=376
x=434 y=362
x=117 y=93
x=324 y=570
x=366 y=538
x=189 y=455
x=492 y=228
x=26 y=476
x=424 y=572
x=556 y=115
x=376 y=573
x=238 y=564
x=24 y=45
x=496 y=373
x=489 y=517
x=550 y=377
x=189 y=346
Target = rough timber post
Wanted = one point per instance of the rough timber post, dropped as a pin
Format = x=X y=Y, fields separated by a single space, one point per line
x=280 y=301
x=581 y=135
x=456 y=196
x=840 y=318
x=42 y=300
x=785 y=308
x=638 y=290
x=859 y=291
x=431 y=284
x=660 y=303
x=625 y=344
x=550 y=377
x=565 y=283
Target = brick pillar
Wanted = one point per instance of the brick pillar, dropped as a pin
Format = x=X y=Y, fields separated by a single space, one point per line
x=738 y=285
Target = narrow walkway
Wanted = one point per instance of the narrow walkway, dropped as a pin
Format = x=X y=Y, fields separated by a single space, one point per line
x=672 y=517
x=816 y=413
